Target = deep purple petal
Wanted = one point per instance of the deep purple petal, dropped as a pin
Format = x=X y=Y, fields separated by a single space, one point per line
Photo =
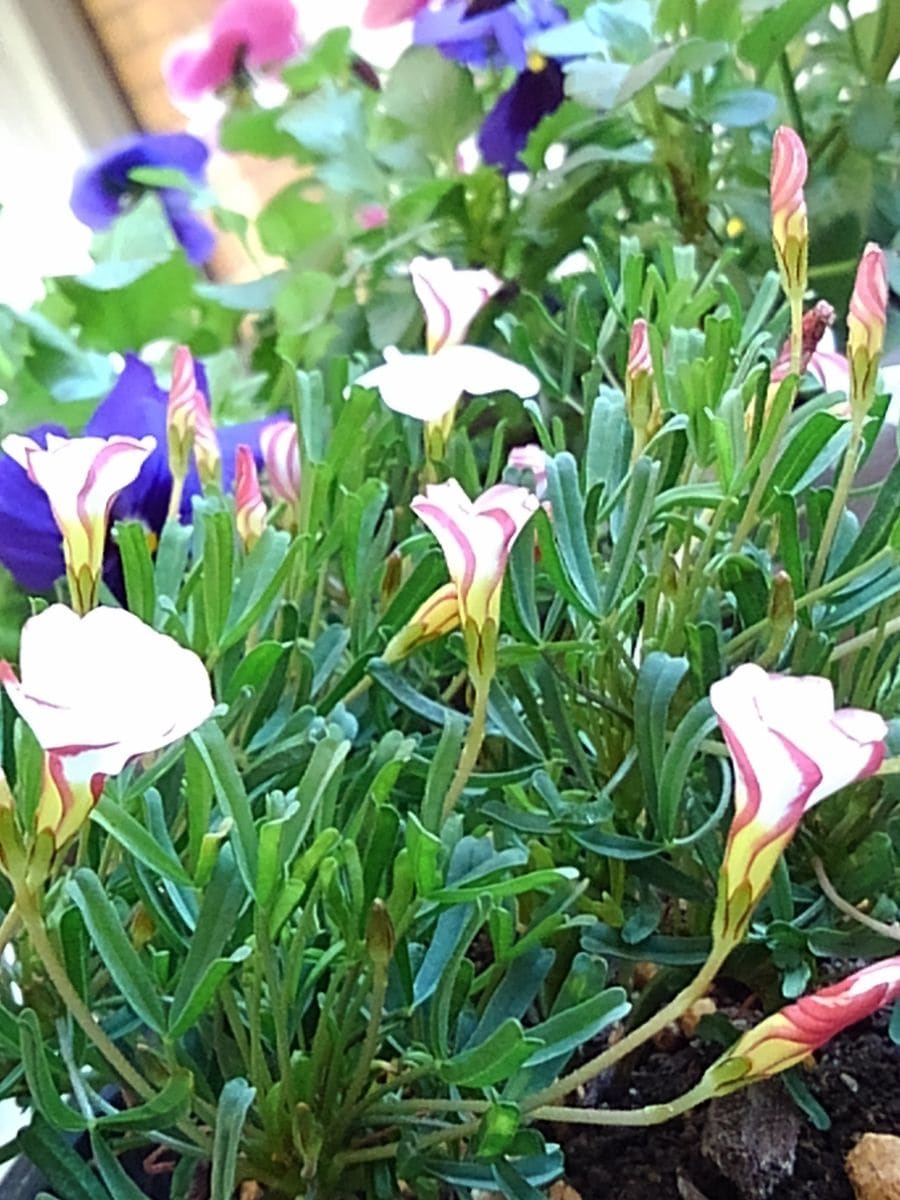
x=102 y=188
x=497 y=36
x=136 y=407
x=504 y=133
x=195 y=237
x=30 y=544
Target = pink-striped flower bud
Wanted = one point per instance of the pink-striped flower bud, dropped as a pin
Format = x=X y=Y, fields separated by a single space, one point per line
x=249 y=507
x=98 y=691
x=81 y=477
x=790 y=749
x=180 y=414
x=865 y=327
x=436 y=616
x=207 y=453
x=281 y=454
x=791 y=1035
x=641 y=400
x=790 y=226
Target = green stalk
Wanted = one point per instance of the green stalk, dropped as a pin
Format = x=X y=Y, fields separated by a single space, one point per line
x=34 y=927
x=808 y=599
x=471 y=747
x=767 y=466
x=370 y=1041
x=643 y=1033
x=864 y=639
x=838 y=503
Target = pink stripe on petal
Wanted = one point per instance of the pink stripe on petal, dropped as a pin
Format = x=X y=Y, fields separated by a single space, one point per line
x=453 y=537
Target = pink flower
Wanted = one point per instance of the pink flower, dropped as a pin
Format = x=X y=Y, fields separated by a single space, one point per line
x=81 y=477
x=281 y=454
x=244 y=34
x=98 y=691
x=531 y=458
x=790 y=229
x=865 y=326
x=249 y=506
x=372 y=216
x=789 y=1036
x=428 y=386
x=790 y=749
x=379 y=14
x=451 y=298
x=476 y=537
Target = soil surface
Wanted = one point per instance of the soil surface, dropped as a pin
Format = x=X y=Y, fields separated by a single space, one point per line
x=856 y=1080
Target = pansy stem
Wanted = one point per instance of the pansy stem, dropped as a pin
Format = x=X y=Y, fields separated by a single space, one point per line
x=471 y=747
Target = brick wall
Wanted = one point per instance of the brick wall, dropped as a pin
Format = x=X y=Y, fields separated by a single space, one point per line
x=135 y=35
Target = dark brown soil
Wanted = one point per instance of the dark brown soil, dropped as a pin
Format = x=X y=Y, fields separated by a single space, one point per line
x=856 y=1080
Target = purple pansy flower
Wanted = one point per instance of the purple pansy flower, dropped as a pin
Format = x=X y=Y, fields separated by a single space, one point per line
x=497 y=34
x=30 y=541
x=104 y=188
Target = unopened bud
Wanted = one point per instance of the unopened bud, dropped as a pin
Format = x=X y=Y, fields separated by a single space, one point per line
x=865 y=328
x=380 y=937
x=790 y=227
x=438 y=615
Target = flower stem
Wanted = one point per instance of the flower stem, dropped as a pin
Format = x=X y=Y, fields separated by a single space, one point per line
x=838 y=504
x=615 y=1053
x=653 y=1114
x=370 y=1043
x=865 y=639
x=767 y=466
x=34 y=927
x=850 y=910
x=471 y=747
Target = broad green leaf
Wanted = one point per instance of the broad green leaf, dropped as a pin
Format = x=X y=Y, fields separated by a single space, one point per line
x=494 y=1059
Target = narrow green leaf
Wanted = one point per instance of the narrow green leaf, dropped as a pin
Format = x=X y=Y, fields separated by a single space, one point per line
x=234 y=1103
x=129 y=833
x=66 y=1171
x=638 y=507
x=565 y=498
x=104 y=923
x=697 y=724
x=121 y=1187
x=45 y=1092
x=137 y=567
x=222 y=902
x=210 y=744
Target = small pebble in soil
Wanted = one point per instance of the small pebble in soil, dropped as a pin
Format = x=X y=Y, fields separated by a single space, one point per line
x=873 y=1167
